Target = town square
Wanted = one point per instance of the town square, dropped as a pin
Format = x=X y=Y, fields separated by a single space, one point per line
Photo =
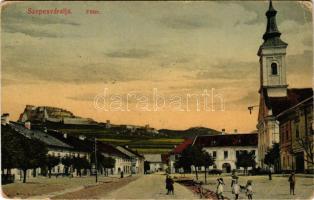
x=157 y=100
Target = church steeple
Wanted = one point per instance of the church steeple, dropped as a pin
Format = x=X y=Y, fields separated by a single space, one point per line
x=272 y=55
x=271 y=29
x=272 y=35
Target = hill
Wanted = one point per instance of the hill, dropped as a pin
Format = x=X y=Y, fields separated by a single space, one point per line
x=144 y=139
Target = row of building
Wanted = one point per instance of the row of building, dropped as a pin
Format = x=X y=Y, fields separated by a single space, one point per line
x=63 y=145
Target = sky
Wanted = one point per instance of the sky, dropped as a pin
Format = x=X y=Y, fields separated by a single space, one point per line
x=148 y=62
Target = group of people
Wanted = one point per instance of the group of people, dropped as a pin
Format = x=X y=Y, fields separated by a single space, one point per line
x=236 y=188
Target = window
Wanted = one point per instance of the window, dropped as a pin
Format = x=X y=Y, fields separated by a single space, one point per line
x=225 y=154
x=237 y=153
x=214 y=154
x=274 y=70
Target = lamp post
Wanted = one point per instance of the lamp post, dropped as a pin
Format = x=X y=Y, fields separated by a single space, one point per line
x=95 y=149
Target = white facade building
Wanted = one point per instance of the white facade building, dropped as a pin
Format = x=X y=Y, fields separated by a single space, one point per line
x=225 y=148
x=155 y=162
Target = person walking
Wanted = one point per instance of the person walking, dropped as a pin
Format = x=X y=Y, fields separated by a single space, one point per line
x=249 y=189
x=169 y=185
x=292 y=182
x=236 y=188
x=269 y=173
x=121 y=174
x=220 y=188
x=171 y=188
x=233 y=178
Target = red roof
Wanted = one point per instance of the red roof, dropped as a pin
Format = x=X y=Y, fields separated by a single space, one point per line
x=182 y=146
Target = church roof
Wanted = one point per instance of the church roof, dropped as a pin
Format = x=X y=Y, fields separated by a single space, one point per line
x=294 y=96
x=250 y=139
x=272 y=34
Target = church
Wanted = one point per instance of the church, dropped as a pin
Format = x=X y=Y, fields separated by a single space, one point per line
x=275 y=95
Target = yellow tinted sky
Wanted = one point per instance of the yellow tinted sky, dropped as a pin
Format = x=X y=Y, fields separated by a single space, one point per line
x=177 y=48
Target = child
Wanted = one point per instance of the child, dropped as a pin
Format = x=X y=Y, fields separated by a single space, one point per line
x=220 y=188
x=236 y=188
x=249 y=189
x=292 y=182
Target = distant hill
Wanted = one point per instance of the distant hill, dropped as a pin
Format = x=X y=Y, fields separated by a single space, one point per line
x=143 y=139
x=191 y=132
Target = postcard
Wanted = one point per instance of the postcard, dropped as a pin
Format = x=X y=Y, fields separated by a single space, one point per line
x=157 y=99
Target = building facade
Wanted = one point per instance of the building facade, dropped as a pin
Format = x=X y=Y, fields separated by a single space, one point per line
x=156 y=163
x=225 y=148
x=296 y=137
x=137 y=160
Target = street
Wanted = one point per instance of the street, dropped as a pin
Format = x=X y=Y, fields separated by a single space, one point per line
x=277 y=188
x=150 y=187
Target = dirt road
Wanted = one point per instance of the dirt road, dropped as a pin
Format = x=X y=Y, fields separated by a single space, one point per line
x=149 y=187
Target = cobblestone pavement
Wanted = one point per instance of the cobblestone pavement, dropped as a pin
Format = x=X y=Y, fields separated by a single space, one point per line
x=150 y=187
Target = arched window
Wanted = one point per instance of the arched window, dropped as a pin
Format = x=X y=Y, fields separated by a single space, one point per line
x=274 y=69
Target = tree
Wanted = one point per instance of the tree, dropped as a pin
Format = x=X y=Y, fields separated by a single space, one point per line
x=208 y=160
x=10 y=144
x=22 y=152
x=246 y=159
x=79 y=164
x=308 y=147
x=146 y=166
x=272 y=157
x=194 y=156
x=197 y=158
x=67 y=162
x=51 y=162
x=32 y=155
x=109 y=164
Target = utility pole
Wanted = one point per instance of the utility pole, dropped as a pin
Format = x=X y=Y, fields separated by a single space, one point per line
x=95 y=159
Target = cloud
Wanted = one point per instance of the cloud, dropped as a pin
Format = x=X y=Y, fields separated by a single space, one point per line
x=285 y=10
x=300 y=64
x=29 y=31
x=130 y=53
x=230 y=70
x=185 y=22
x=16 y=20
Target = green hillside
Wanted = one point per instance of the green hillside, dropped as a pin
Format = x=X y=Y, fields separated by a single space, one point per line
x=143 y=142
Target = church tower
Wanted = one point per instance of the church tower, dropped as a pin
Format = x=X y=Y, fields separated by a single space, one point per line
x=272 y=55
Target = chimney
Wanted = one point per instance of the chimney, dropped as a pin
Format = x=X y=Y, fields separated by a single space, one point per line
x=223 y=131
x=27 y=125
x=5 y=118
x=108 y=125
x=235 y=130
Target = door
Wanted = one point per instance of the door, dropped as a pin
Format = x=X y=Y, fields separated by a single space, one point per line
x=299 y=159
